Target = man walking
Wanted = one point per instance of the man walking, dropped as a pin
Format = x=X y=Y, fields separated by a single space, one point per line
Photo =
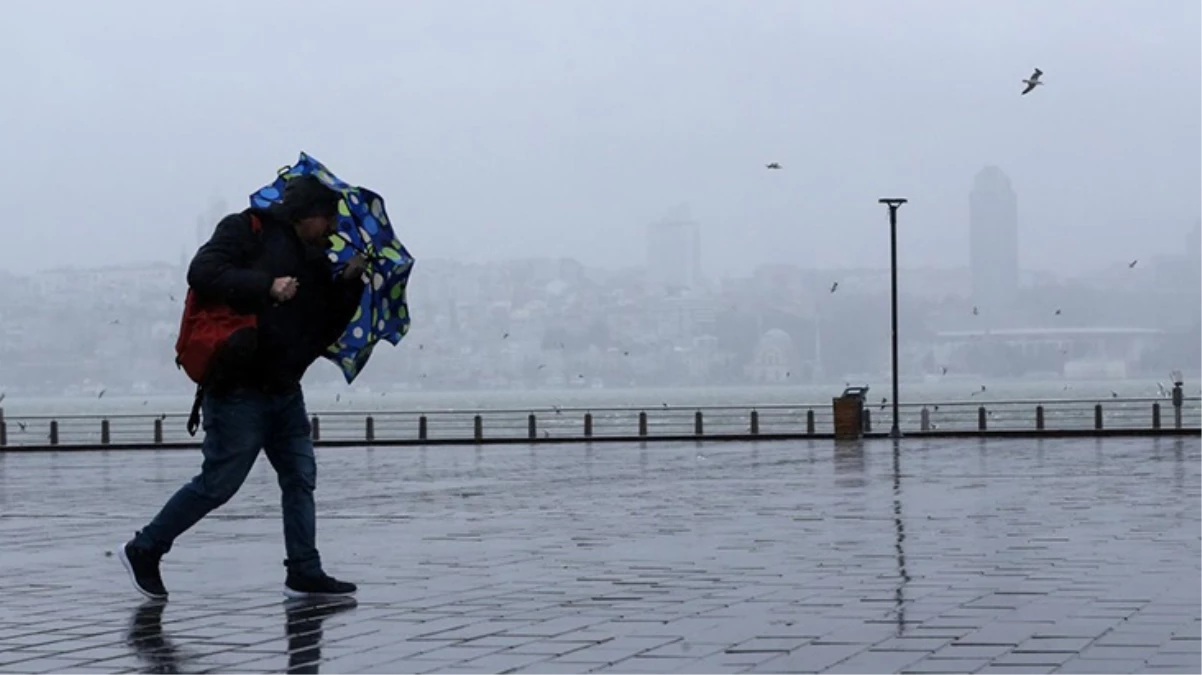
x=272 y=264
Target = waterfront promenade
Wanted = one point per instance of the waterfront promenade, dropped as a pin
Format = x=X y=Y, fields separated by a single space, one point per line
x=935 y=555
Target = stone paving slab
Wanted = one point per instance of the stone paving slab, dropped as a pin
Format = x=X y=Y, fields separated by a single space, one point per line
x=945 y=556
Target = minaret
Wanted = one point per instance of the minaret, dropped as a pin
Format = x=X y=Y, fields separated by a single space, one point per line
x=817 y=370
x=202 y=231
x=183 y=264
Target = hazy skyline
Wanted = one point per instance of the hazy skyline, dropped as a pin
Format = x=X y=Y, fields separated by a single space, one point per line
x=544 y=128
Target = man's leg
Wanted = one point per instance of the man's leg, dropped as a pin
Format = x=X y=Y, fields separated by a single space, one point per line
x=235 y=429
x=290 y=448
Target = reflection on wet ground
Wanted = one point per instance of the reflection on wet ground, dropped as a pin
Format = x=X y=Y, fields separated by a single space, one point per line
x=928 y=556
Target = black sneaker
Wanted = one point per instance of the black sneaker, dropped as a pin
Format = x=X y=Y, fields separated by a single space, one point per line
x=321 y=585
x=143 y=568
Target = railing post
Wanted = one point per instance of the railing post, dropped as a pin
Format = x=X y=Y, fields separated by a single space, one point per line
x=867 y=420
x=698 y=424
x=104 y=432
x=531 y=427
x=369 y=429
x=588 y=425
x=3 y=429
x=422 y=428
x=642 y=424
x=810 y=422
x=53 y=432
x=982 y=415
x=315 y=428
x=925 y=419
x=478 y=429
x=1097 y=416
x=1178 y=402
x=755 y=422
x=1156 y=416
x=1039 y=418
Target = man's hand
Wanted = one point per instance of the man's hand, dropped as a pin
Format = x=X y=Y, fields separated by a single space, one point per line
x=354 y=267
x=283 y=288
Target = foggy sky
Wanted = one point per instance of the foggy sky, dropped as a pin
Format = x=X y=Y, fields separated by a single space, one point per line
x=504 y=129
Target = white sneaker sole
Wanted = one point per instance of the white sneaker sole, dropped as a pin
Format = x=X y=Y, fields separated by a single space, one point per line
x=305 y=595
x=133 y=579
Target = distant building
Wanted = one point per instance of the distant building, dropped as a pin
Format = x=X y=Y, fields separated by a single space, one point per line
x=674 y=255
x=1193 y=241
x=993 y=239
x=207 y=223
x=771 y=362
x=204 y=230
x=109 y=282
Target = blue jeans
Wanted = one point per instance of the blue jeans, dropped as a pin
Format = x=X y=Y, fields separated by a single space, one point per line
x=237 y=425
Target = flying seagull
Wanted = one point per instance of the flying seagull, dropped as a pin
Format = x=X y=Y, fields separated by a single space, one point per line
x=1132 y=264
x=834 y=287
x=772 y=165
x=1032 y=82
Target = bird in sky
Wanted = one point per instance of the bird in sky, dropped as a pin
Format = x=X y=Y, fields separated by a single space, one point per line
x=1032 y=82
x=772 y=166
x=834 y=287
x=1131 y=265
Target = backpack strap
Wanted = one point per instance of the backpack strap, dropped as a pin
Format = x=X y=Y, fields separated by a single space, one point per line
x=194 y=416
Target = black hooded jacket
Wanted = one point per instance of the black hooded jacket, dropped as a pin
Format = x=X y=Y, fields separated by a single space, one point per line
x=237 y=267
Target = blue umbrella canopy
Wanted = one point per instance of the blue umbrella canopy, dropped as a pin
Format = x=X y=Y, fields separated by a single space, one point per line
x=363 y=227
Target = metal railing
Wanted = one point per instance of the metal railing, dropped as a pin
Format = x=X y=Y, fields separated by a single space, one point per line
x=713 y=422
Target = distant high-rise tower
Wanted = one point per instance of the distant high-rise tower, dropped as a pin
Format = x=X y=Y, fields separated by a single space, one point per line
x=674 y=254
x=1193 y=241
x=993 y=239
x=205 y=224
x=204 y=230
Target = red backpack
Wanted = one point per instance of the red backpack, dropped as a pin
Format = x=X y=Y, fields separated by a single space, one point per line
x=203 y=330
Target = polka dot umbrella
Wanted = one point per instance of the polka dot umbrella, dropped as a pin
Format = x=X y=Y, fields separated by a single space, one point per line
x=363 y=227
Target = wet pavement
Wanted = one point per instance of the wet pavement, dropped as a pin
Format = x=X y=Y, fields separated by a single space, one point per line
x=1018 y=556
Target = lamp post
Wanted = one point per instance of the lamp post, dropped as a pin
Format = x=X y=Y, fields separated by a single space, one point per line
x=893 y=203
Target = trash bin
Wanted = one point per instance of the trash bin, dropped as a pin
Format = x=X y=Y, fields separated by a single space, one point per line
x=849 y=413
